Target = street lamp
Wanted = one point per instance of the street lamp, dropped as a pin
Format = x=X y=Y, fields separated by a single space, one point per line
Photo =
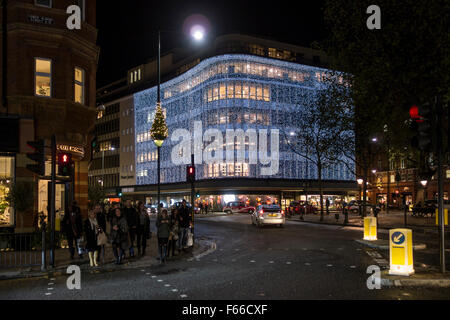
x=159 y=131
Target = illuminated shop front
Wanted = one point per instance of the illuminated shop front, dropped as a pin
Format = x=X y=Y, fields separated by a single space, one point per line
x=6 y=181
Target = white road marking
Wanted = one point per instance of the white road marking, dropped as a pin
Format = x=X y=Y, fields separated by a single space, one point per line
x=153 y=277
x=183 y=296
x=271 y=262
x=51 y=283
x=252 y=261
x=288 y=262
x=174 y=290
x=148 y=273
x=160 y=280
x=329 y=265
x=167 y=285
x=50 y=288
x=48 y=293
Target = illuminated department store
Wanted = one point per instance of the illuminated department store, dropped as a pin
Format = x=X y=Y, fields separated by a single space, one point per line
x=233 y=91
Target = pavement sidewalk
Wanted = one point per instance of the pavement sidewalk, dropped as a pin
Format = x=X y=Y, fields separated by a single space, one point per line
x=201 y=247
x=393 y=220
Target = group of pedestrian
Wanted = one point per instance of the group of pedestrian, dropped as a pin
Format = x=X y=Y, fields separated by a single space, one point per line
x=173 y=231
x=204 y=207
x=120 y=227
x=125 y=228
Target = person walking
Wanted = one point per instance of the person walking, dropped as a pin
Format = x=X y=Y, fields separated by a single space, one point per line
x=206 y=208
x=327 y=204
x=73 y=228
x=163 y=226
x=102 y=222
x=119 y=235
x=132 y=220
x=185 y=220
x=143 y=230
x=174 y=232
x=91 y=231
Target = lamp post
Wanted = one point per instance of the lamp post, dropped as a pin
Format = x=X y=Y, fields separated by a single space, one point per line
x=360 y=182
x=424 y=184
x=159 y=131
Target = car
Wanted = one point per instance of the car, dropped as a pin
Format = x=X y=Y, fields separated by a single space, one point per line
x=301 y=207
x=353 y=206
x=238 y=207
x=268 y=215
x=151 y=208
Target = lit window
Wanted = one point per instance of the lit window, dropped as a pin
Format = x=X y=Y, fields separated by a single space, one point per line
x=245 y=91
x=222 y=91
x=266 y=93
x=79 y=85
x=230 y=90
x=238 y=90
x=252 y=92
x=43 y=77
x=216 y=93
x=6 y=180
x=259 y=92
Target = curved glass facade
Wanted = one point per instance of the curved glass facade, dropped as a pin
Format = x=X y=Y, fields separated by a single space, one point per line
x=261 y=96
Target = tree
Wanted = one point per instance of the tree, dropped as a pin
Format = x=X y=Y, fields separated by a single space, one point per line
x=96 y=194
x=20 y=196
x=405 y=62
x=159 y=130
x=325 y=126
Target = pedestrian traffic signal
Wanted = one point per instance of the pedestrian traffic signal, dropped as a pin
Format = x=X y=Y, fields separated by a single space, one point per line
x=421 y=127
x=190 y=174
x=64 y=164
x=119 y=192
x=197 y=194
x=38 y=156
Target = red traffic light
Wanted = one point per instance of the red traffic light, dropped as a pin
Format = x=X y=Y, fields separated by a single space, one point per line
x=64 y=158
x=414 y=112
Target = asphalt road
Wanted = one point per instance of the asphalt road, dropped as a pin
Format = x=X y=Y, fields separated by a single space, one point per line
x=299 y=261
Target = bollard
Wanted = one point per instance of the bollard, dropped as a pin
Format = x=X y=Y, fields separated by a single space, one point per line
x=401 y=252
x=370 y=228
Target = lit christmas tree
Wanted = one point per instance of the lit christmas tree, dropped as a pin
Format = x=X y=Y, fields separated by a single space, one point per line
x=159 y=131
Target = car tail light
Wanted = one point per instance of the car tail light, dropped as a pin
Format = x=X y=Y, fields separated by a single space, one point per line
x=261 y=213
x=282 y=212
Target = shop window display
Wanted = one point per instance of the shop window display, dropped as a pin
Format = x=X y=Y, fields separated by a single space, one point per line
x=6 y=180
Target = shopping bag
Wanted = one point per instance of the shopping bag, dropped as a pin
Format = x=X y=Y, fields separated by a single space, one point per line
x=81 y=246
x=102 y=239
x=190 y=241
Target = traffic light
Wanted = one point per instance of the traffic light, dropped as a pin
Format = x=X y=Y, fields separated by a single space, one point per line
x=64 y=164
x=38 y=156
x=197 y=194
x=119 y=192
x=190 y=174
x=422 y=127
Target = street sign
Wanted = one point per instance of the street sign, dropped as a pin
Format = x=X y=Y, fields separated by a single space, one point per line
x=370 y=228
x=401 y=252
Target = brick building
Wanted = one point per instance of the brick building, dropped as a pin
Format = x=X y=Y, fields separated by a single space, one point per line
x=47 y=86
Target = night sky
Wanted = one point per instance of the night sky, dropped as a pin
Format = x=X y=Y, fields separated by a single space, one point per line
x=127 y=32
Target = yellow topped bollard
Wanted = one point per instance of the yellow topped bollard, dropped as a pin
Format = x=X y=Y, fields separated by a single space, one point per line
x=401 y=252
x=370 y=228
x=445 y=217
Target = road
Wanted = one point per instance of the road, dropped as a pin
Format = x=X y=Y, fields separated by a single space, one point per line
x=299 y=261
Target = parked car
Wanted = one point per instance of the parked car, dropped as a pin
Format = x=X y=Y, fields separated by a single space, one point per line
x=238 y=207
x=428 y=209
x=353 y=206
x=301 y=207
x=268 y=215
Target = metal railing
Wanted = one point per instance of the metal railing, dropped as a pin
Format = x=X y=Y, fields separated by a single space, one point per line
x=20 y=250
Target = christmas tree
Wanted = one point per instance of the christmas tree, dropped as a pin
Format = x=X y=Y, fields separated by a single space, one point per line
x=159 y=131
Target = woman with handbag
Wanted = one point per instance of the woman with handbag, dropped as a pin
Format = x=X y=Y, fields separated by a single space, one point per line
x=119 y=235
x=91 y=231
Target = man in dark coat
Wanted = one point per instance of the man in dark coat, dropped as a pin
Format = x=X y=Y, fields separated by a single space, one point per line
x=143 y=230
x=185 y=220
x=73 y=228
x=101 y=219
x=133 y=221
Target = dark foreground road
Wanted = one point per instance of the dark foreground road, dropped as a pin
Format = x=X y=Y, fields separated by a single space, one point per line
x=299 y=261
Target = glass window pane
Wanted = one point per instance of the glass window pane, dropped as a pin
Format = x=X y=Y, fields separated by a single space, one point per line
x=238 y=90
x=43 y=66
x=79 y=75
x=230 y=90
x=43 y=86
x=222 y=91
x=252 y=92
x=79 y=93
